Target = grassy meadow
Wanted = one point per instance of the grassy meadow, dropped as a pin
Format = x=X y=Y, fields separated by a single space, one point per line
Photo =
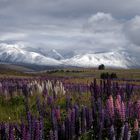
x=13 y=109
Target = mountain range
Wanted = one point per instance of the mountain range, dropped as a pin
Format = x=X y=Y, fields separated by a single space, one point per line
x=18 y=55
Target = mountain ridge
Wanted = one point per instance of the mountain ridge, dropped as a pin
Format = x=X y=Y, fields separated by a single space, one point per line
x=16 y=54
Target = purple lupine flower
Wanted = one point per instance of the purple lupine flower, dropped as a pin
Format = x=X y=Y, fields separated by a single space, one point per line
x=29 y=119
x=70 y=123
x=43 y=108
x=58 y=113
x=37 y=130
x=88 y=121
x=96 y=90
x=68 y=102
x=77 y=123
x=73 y=122
x=83 y=119
x=67 y=129
x=3 y=132
x=33 y=127
x=23 y=131
x=130 y=109
x=102 y=116
x=129 y=90
x=45 y=92
x=54 y=119
x=27 y=135
x=41 y=128
x=11 y=132
x=99 y=104
x=101 y=86
x=126 y=130
x=50 y=100
x=138 y=109
x=139 y=134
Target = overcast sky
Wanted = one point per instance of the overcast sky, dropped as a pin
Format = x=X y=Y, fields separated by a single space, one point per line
x=83 y=25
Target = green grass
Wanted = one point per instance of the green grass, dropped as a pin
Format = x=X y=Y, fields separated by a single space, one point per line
x=80 y=73
x=122 y=73
x=11 y=110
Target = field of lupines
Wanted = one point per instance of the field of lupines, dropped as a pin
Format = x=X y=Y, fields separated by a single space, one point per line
x=55 y=109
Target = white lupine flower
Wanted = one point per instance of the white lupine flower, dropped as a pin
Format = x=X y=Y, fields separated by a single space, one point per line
x=129 y=135
x=122 y=133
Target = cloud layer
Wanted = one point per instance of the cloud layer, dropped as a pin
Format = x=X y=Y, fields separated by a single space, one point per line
x=69 y=25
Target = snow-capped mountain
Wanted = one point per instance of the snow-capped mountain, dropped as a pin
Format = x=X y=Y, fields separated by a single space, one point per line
x=16 y=54
x=110 y=59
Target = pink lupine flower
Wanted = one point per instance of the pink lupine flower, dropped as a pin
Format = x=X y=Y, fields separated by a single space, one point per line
x=136 y=125
x=118 y=105
x=119 y=98
x=110 y=106
x=123 y=111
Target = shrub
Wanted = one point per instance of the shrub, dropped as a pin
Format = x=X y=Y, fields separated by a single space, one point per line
x=113 y=76
x=101 y=67
x=106 y=75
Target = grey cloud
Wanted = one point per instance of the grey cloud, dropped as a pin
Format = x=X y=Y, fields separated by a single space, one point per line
x=85 y=25
x=132 y=30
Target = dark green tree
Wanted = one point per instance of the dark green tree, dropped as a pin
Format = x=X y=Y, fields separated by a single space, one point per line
x=101 y=67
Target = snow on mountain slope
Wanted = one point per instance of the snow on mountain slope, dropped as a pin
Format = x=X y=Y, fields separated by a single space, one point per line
x=14 y=54
x=54 y=54
x=110 y=59
x=45 y=52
